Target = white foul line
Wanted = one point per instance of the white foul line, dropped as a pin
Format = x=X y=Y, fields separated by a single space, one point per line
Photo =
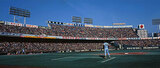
x=108 y=59
x=74 y=57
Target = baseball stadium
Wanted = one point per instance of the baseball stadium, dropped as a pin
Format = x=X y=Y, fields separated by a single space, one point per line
x=76 y=44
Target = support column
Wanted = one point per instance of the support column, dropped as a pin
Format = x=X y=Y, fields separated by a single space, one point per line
x=14 y=18
x=24 y=20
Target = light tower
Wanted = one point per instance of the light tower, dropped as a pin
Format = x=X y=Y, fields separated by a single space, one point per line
x=19 y=12
x=156 y=22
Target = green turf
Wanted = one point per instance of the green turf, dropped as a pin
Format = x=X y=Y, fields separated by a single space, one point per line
x=85 y=60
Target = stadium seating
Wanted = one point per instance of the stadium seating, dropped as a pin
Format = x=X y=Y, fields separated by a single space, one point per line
x=93 y=32
x=141 y=43
x=13 y=47
x=61 y=30
x=72 y=31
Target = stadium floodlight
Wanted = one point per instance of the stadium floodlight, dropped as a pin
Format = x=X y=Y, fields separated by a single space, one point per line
x=88 y=20
x=19 y=12
x=156 y=22
x=76 y=19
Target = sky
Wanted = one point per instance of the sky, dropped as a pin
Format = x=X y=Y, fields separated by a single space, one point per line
x=103 y=12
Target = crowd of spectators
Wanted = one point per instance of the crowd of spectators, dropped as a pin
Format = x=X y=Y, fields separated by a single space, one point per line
x=141 y=43
x=72 y=31
x=94 y=32
x=32 y=47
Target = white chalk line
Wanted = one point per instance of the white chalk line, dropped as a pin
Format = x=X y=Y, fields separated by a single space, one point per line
x=73 y=57
x=108 y=59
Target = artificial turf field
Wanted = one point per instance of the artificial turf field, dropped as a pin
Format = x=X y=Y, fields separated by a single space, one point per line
x=119 y=59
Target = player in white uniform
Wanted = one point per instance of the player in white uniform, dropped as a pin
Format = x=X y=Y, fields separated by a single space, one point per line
x=106 y=51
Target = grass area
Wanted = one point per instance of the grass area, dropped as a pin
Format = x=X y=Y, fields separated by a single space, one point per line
x=85 y=60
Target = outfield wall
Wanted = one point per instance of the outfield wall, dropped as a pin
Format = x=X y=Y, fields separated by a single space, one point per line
x=139 y=48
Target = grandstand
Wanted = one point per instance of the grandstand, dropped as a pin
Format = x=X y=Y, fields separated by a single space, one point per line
x=60 y=37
